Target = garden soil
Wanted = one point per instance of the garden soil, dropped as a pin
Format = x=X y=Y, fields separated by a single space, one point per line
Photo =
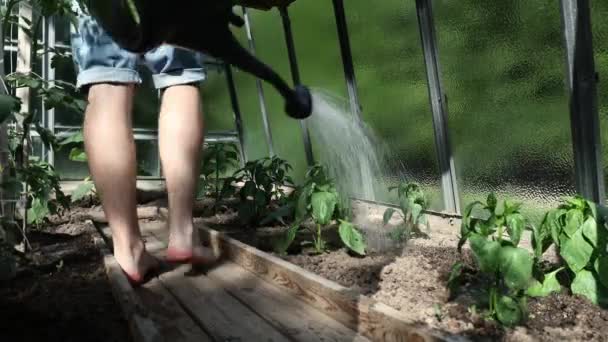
x=61 y=292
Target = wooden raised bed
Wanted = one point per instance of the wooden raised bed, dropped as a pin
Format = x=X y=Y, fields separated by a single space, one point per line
x=370 y=318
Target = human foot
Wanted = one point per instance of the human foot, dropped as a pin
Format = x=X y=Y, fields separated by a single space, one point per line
x=137 y=264
x=185 y=247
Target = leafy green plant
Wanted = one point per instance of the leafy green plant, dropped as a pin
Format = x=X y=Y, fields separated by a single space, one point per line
x=75 y=142
x=494 y=240
x=319 y=200
x=573 y=227
x=218 y=159
x=413 y=203
x=256 y=185
x=35 y=183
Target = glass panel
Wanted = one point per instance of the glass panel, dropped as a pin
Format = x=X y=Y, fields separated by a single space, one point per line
x=68 y=169
x=509 y=120
x=147 y=158
x=146 y=103
x=36 y=150
x=599 y=11
x=391 y=78
x=62 y=30
x=65 y=71
x=271 y=49
x=10 y=61
x=216 y=102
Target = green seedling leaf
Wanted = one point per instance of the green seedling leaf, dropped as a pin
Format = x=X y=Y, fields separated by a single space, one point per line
x=486 y=253
x=552 y=224
x=574 y=219
x=577 y=201
x=455 y=274
x=388 y=214
x=601 y=268
x=585 y=284
x=416 y=211
x=508 y=311
x=548 y=286
x=492 y=202
x=302 y=202
x=516 y=267
x=592 y=208
x=82 y=190
x=282 y=244
x=576 y=251
x=466 y=218
x=589 y=229
x=77 y=154
x=515 y=227
x=8 y=105
x=38 y=211
x=351 y=237
x=323 y=206
x=511 y=208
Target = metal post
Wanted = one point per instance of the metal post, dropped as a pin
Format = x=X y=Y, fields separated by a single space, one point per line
x=438 y=106
x=295 y=75
x=237 y=112
x=582 y=89
x=49 y=75
x=347 y=58
x=260 y=87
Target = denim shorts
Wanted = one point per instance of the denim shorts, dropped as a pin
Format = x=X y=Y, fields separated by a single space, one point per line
x=100 y=60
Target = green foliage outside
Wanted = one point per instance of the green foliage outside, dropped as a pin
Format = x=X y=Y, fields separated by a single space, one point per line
x=502 y=68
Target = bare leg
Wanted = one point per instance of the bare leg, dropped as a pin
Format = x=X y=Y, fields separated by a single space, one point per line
x=180 y=143
x=111 y=152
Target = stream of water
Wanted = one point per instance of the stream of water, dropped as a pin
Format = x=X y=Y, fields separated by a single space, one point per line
x=352 y=154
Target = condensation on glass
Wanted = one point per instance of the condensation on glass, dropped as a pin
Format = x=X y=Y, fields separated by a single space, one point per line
x=599 y=12
x=503 y=71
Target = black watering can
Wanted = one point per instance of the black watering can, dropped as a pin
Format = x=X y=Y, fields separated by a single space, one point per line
x=200 y=25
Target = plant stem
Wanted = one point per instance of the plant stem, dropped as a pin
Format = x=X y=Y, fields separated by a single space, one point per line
x=217 y=182
x=318 y=243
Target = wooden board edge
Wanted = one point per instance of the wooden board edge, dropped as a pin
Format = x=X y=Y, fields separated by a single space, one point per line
x=370 y=318
x=142 y=328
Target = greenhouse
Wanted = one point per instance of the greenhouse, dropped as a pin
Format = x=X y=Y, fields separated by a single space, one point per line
x=281 y=170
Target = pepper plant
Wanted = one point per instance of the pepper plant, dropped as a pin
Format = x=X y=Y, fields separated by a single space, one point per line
x=494 y=240
x=34 y=181
x=257 y=185
x=413 y=203
x=573 y=227
x=218 y=159
x=319 y=200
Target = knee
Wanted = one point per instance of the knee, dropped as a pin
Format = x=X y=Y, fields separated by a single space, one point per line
x=109 y=93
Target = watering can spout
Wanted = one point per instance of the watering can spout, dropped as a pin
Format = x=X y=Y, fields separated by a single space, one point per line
x=197 y=25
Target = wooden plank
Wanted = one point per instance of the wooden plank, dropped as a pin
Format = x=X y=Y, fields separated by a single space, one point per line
x=287 y=313
x=300 y=320
x=143 y=329
x=161 y=308
x=374 y=320
x=220 y=314
x=173 y=323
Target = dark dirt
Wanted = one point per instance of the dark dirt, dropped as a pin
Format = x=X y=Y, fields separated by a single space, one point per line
x=61 y=292
x=412 y=280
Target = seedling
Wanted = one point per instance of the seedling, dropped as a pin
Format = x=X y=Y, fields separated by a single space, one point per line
x=218 y=159
x=573 y=228
x=263 y=181
x=319 y=200
x=413 y=203
x=493 y=240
